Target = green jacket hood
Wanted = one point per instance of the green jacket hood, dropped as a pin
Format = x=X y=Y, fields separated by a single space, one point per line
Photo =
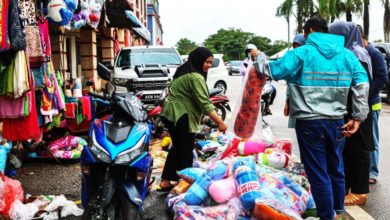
x=328 y=45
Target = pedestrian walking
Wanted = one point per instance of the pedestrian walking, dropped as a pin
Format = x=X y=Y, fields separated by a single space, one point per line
x=320 y=74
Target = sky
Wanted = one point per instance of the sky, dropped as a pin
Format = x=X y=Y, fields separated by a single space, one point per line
x=198 y=19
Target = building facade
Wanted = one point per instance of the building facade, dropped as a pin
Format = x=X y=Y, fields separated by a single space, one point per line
x=154 y=23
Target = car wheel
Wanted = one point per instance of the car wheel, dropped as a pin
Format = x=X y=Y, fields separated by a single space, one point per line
x=222 y=85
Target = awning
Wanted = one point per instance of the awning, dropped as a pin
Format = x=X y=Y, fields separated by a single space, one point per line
x=143 y=32
x=119 y=15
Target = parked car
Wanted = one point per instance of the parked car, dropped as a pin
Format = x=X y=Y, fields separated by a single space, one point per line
x=234 y=66
x=145 y=69
x=216 y=76
x=384 y=48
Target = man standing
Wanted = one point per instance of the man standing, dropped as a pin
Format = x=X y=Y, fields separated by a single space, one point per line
x=320 y=74
x=380 y=78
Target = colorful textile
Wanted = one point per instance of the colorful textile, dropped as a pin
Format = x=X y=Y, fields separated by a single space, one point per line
x=15 y=108
x=34 y=46
x=71 y=109
x=16 y=33
x=4 y=40
x=25 y=128
x=45 y=38
x=20 y=80
x=86 y=107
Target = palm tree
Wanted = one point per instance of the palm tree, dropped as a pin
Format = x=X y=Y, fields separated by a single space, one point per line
x=386 y=20
x=304 y=10
x=351 y=6
x=366 y=18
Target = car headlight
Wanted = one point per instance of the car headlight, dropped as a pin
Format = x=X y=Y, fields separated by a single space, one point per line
x=98 y=150
x=128 y=155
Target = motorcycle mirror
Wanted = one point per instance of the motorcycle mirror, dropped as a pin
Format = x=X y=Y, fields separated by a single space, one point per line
x=103 y=72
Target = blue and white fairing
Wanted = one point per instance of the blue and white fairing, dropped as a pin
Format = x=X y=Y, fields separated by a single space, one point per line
x=129 y=150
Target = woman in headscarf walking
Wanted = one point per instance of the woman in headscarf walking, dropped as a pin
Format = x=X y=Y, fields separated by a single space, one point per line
x=187 y=101
x=358 y=146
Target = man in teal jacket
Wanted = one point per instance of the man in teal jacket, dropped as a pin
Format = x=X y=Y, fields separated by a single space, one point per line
x=321 y=74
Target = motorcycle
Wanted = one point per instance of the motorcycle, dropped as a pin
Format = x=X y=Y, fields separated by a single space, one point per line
x=219 y=100
x=221 y=103
x=116 y=166
x=266 y=97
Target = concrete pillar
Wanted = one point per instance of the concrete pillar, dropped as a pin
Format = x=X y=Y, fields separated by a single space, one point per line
x=121 y=37
x=88 y=50
x=58 y=50
x=108 y=46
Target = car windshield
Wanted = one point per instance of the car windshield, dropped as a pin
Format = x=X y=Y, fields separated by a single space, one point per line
x=236 y=63
x=136 y=57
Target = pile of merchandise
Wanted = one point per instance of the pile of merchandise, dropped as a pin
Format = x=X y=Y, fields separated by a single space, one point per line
x=234 y=178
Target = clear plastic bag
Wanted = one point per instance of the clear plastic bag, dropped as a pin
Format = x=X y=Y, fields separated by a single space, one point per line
x=246 y=119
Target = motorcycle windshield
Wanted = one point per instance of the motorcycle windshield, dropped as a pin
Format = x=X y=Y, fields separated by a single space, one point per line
x=132 y=107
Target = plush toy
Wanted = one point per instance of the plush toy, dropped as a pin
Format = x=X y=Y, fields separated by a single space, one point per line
x=273 y=158
x=60 y=12
x=223 y=190
x=283 y=145
x=251 y=147
x=248 y=182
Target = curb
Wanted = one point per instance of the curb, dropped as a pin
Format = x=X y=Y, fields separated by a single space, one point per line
x=355 y=212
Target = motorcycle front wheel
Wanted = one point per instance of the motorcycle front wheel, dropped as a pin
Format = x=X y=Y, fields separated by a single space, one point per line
x=120 y=208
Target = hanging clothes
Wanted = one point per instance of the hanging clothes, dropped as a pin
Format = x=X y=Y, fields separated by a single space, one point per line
x=15 y=108
x=15 y=29
x=4 y=40
x=27 y=12
x=20 y=81
x=25 y=128
x=34 y=46
x=45 y=38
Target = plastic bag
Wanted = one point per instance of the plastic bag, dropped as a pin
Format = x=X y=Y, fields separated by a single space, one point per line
x=246 y=118
x=12 y=191
x=182 y=187
x=20 y=211
x=272 y=188
x=248 y=182
x=218 y=170
x=198 y=192
x=191 y=174
x=266 y=208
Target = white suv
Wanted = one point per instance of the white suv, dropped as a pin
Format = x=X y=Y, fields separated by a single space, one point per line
x=217 y=74
x=146 y=69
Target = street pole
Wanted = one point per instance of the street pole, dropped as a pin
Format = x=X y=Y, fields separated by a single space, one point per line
x=288 y=31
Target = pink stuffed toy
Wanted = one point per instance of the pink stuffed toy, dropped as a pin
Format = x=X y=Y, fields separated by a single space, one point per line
x=250 y=147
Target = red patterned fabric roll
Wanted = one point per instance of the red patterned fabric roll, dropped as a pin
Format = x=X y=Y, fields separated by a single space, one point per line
x=244 y=125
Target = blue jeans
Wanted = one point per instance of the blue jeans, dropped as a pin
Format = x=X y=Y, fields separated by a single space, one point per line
x=321 y=145
x=374 y=155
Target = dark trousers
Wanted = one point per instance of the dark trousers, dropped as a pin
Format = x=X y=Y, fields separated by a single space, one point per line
x=181 y=155
x=356 y=165
x=321 y=146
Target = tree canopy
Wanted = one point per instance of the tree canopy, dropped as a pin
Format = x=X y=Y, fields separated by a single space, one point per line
x=231 y=43
x=185 y=46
